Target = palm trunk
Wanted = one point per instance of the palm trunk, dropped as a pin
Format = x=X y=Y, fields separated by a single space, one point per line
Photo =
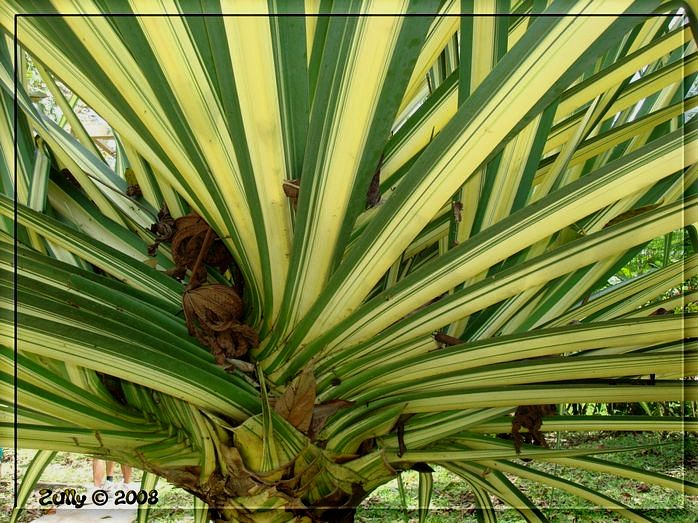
x=309 y=488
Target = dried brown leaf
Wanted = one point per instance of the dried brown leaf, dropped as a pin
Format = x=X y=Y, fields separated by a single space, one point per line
x=344 y=458
x=218 y=256
x=322 y=412
x=632 y=213
x=215 y=306
x=134 y=191
x=457 y=210
x=297 y=401
x=530 y=417
x=188 y=240
x=373 y=196
x=445 y=339
x=163 y=229
x=374 y=190
x=400 y=429
x=291 y=189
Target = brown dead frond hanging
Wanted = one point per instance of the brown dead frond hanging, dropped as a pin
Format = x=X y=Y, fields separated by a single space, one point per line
x=190 y=232
x=530 y=417
x=218 y=255
x=188 y=242
x=214 y=315
x=213 y=312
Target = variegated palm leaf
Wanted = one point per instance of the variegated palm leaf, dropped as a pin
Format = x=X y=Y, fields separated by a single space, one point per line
x=422 y=208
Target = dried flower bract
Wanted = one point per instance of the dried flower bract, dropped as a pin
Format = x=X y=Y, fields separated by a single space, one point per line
x=214 y=314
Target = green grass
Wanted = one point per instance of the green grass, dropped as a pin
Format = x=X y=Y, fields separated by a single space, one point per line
x=76 y=471
x=452 y=501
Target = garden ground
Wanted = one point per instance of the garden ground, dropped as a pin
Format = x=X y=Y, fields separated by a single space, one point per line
x=452 y=502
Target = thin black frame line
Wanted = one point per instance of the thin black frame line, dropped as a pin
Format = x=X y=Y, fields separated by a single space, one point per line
x=17 y=16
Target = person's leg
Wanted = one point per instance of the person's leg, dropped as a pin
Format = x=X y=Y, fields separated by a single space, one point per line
x=126 y=473
x=98 y=472
x=110 y=471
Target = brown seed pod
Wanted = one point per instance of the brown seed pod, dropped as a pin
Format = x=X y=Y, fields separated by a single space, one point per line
x=216 y=306
x=213 y=314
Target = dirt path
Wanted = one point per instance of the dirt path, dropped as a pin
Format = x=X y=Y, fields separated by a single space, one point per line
x=90 y=514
